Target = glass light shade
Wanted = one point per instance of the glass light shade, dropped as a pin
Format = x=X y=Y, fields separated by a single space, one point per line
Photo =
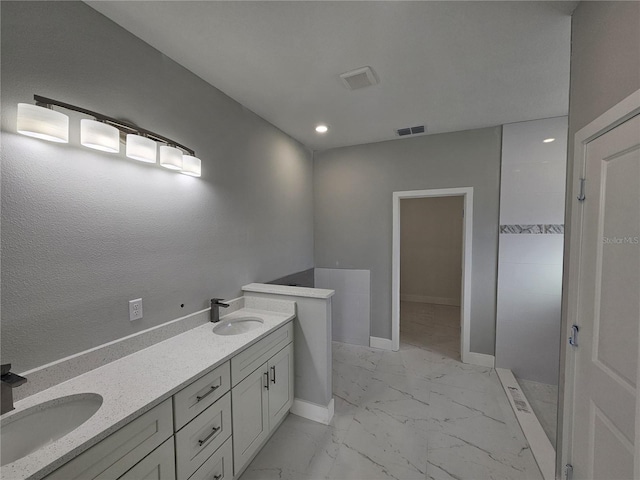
x=141 y=148
x=40 y=122
x=191 y=166
x=170 y=157
x=99 y=136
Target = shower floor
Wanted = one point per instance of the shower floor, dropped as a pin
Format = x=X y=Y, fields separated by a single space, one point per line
x=544 y=401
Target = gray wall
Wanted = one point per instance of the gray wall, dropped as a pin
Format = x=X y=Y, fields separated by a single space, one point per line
x=83 y=232
x=605 y=69
x=353 y=189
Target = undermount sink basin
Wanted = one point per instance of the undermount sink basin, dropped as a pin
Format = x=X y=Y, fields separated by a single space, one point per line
x=33 y=428
x=238 y=325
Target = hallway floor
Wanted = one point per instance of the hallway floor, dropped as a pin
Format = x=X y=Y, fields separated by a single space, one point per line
x=414 y=414
x=430 y=326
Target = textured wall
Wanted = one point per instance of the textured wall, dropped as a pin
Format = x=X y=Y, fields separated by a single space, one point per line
x=431 y=249
x=83 y=232
x=353 y=189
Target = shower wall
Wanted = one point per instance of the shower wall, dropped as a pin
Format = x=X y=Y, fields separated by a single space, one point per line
x=532 y=196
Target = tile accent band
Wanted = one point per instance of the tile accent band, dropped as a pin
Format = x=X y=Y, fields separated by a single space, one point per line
x=554 y=229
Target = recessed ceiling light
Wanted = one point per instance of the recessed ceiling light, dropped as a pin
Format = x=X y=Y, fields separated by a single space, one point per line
x=548 y=140
x=322 y=129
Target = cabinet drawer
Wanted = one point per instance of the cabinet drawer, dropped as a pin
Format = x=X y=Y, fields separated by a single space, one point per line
x=120 y=451
x=248 y=360
x=219 y=466
x=194 y=399
x=158 y=465
x=202 y=436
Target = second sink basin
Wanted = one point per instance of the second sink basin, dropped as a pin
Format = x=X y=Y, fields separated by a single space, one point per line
x=238 y=325
x=29 y=430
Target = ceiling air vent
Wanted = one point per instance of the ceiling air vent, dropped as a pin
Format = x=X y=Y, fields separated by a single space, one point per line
x=410 y=131
x=359 y=78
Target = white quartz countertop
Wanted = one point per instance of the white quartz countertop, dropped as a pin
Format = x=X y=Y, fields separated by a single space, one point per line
x=134 y=384
x=287 y=290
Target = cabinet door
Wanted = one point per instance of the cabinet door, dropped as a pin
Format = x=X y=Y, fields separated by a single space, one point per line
x=250 y=414
x=158 y=465
x=280 y=384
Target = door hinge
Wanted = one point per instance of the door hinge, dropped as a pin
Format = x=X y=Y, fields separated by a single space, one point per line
x=581 y=197
x=573 y=338
x=568 y=471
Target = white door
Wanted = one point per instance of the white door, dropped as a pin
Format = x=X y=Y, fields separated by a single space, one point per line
x=280 y=384
x=606 y=416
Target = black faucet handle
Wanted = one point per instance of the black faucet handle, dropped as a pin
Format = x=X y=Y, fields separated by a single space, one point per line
x=5 y=368
x=219 y=302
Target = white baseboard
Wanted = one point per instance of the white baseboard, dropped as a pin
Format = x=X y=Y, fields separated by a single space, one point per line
x=381 y=343
x=427 y=299
x=313 y=411
x=481 y=359
x=541 y=447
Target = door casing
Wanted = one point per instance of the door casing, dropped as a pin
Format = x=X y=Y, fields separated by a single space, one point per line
x=465 y=297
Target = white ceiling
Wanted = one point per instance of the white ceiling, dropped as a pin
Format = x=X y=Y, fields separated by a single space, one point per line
x=448 y=65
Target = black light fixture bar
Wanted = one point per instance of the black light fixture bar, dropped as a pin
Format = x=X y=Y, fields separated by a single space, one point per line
x=119 y=124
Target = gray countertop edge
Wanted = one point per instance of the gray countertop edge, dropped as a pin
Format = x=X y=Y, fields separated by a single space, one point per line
x=116 y=380
x=288 y=290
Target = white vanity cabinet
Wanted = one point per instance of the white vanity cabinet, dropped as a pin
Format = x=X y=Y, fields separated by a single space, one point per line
x=206 y=431
x=262 y=398
x=115 y=455
x=158 y=465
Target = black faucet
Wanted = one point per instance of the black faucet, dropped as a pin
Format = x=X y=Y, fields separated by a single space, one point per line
x=216 y=303
x=9 y=382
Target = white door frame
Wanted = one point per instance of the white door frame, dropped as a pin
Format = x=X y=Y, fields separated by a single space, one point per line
x=467 y=237
x=620 y=113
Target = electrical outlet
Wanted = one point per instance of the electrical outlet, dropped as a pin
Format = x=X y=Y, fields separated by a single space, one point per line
x=135 y=309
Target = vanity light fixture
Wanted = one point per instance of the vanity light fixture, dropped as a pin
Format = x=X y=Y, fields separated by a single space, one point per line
x=141 y=148
x=322 y=129
x=104 y=133
x=191 y=166
x=170 y=157
x=41 y=122
x=99 y=136
x=548 y=140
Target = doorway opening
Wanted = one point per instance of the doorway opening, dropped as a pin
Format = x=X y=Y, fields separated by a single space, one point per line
x=431 y=273
x=433 y=314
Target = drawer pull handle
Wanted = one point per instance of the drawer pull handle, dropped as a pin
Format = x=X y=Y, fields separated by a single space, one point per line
x=217 y=477
x=266 y=377
x=215 y=430
x=213 y=389
x=273 y=378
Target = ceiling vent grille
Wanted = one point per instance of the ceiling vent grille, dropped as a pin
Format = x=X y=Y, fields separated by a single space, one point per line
x=359 y=78
x=402 y=132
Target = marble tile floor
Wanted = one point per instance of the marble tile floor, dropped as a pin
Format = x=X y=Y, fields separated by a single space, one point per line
x=413 y=414
x=544 y=401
